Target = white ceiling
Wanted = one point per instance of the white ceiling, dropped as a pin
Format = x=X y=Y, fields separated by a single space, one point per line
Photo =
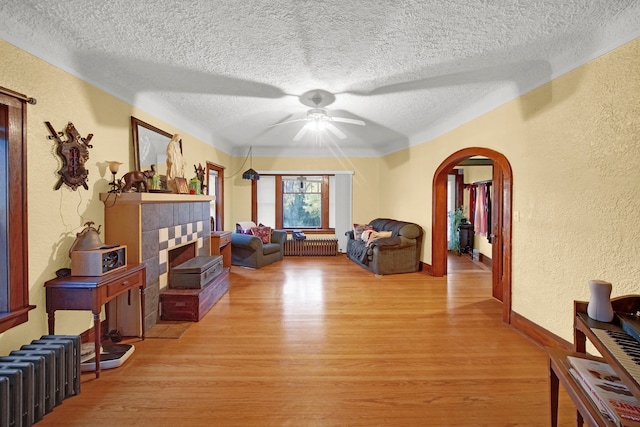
x=226 y=70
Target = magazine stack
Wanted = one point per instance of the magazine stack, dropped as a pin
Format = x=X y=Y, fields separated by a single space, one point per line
x=612 y=398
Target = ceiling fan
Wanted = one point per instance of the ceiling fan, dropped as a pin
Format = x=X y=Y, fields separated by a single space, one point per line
x=317 y=118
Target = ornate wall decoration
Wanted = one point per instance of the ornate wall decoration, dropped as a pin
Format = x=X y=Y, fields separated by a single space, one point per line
x=74 y=153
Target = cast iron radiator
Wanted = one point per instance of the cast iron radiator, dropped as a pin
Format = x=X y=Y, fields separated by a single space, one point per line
x=311 y=247
x=38 y=377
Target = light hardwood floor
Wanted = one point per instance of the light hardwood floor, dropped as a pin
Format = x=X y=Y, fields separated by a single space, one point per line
x=318 y=341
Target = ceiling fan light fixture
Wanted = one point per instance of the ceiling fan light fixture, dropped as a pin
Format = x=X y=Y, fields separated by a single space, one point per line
x=317 y=119
x=318 y=125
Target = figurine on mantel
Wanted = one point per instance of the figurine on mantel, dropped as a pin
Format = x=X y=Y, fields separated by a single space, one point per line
x=200 y=174
x=175 y=163
x=137 y=180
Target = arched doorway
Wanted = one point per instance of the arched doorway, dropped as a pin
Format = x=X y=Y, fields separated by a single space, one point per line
x=500 y=227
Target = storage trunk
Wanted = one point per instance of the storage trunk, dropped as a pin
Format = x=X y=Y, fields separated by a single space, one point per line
x=195 y=273
x=192 y=304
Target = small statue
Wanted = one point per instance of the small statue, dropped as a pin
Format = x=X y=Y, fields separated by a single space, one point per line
x=137 y=179
x=175 y=163
x=155 y=178
x=200 y=175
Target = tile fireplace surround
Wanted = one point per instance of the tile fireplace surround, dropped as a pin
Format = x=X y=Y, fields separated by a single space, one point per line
x=152 y=225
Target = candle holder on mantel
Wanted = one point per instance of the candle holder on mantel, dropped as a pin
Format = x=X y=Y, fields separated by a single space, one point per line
x=599 y=307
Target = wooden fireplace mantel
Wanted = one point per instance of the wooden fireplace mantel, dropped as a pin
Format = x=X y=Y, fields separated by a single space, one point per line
x=153 y=198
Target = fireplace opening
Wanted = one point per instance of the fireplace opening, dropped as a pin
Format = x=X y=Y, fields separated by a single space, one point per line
x=179 y=255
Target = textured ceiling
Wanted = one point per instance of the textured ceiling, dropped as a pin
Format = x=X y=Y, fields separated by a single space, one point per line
x=225 y=71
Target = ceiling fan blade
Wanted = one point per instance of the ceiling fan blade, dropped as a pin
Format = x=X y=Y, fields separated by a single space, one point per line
x=288 y=121
x=334 y=130
x=345 y=120
x=301 y=133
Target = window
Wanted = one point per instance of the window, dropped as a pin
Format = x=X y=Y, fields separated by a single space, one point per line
x=302 y=201
x=14 y=281
x=277 y=197
x=293 y=202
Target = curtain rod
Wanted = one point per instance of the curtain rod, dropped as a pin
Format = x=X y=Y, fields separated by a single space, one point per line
x=488 y=182
x=18 y=95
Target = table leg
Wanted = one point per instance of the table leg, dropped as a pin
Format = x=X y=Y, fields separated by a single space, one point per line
x=142 y=309
x=554 y=386
x=52 y=321
x=96 y=331
x=579 y=341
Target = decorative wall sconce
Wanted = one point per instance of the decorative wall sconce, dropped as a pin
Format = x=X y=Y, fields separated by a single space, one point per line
x=74 y=152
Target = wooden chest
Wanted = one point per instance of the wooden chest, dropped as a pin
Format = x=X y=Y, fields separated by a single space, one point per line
x=192 y=304
x=196 y=272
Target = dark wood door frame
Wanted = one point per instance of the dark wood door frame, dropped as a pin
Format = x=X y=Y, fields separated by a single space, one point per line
x=503 y=210
x=220 y=193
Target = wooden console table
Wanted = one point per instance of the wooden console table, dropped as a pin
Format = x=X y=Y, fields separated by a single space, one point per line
x=91 y=293
x=584 y=328
x=221 y=245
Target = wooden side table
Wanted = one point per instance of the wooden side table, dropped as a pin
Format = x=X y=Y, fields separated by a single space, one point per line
x=91 y=293
x=559 y=373
x=221 y=245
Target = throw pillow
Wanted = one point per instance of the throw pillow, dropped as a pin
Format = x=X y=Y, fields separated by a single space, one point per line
x=375 y=235
x=358 y=229
x=264 y=233
x=366 y=234
x=244 y=226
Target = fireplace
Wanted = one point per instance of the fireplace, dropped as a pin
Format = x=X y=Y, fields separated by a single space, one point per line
x=179 y=254
x=160 y=230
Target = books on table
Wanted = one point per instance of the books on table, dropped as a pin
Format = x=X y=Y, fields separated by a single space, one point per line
x=612 y=398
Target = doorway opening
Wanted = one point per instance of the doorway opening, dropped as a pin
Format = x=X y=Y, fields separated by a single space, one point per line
x=215 y=187
x=500 y=221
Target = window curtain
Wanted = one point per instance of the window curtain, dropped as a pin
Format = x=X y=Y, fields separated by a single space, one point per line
x=472 y=203
x=340 y=209
x=266 y=201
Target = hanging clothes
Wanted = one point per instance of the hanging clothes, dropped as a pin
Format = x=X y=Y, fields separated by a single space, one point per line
x=472 y=203
x=480 y=208
x=487 y=207
x=480 y=223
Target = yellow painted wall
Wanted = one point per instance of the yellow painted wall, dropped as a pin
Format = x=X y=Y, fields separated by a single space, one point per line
x=574 y=148
x=56 y=216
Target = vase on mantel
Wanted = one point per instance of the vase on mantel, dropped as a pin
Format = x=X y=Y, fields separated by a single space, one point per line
x=599 y=307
